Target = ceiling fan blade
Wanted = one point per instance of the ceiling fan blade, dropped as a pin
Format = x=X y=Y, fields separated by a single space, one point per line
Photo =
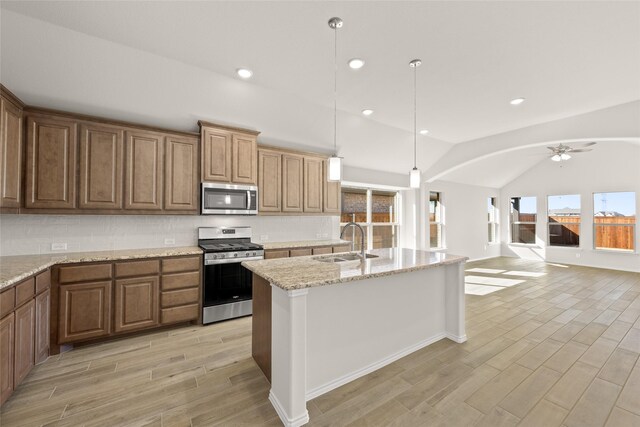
x=553 y=149
x=588 y=144
x=581 y=150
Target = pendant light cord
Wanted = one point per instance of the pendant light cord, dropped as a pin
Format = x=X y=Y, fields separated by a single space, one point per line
x=335 y=91
x=415 y=115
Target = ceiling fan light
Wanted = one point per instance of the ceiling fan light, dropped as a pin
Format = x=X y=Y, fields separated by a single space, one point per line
x=556 y=158
x=414 y=178
x=334 y=168
x=564 y=156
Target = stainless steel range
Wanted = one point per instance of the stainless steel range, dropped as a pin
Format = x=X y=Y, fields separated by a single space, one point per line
x=227 y=284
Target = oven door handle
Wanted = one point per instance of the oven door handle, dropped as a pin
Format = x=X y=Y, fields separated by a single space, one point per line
x=231 y=260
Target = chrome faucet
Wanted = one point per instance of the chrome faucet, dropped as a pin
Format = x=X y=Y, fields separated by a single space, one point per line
x=353 y=224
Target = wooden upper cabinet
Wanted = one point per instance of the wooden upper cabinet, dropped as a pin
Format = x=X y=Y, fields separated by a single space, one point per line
x=216 y=155
x=25 y=341
x=332 y=194
x=7 y=341
x=313 y=184
x=181 y=173
x=292 y=183
x=137 y=303
x=10 y=154
x=144 y=176
x=51 y=163
x=101 y=166
x=84 y=311
x=244 y=159
x=269 y=181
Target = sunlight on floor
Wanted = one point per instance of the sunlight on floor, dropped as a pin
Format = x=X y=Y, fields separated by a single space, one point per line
x=523 y=273
x=474 y=289
x=486 y=270
x=492 y=281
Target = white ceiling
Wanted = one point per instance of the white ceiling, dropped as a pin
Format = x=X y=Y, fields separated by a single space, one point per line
x=566 y=58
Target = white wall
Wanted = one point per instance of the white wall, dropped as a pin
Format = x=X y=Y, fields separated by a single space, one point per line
x=34 y=234
x=465 y=218
x=609 y=167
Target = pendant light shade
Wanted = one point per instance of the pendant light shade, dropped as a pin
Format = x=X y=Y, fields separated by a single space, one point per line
x=334 y=163
x=414 y=175
x=414 y=178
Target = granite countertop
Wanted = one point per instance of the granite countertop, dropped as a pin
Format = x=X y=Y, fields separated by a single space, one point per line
x=307 y=272
x=13 y=269
x=303 y=244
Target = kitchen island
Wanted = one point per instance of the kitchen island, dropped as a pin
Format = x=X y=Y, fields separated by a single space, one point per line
x=322 y=321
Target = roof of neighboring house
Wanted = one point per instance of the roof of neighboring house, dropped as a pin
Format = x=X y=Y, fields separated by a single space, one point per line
x=565 y=212
x=608 y=213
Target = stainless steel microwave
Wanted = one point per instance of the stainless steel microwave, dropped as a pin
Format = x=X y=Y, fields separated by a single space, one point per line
x=229 y=199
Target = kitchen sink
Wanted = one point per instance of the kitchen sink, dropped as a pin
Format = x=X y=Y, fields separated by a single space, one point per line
x=344 y=258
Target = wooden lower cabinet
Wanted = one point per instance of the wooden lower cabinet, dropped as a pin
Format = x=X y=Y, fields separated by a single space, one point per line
x=274 y=254
x=24 y=350
x=43 y=311
x=7 y=328
x=300 y=252
x=136 y=303
x=84 y=311
x=322 y=251
x=180 y=314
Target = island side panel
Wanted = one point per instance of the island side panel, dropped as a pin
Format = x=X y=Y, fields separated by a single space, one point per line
x=261 y=325
x=455 y=303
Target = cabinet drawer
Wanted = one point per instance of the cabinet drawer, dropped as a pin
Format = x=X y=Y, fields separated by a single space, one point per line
x=175 y=265
x=341 y=248
x=276 y=254
x=300 y=252
x=25 y=291
x=137 y=268
x=179 y=314
x=181 y=280
x=322 y=251
x=84 y=273
x=7 y=301
x=43 y=281
x=180 y=297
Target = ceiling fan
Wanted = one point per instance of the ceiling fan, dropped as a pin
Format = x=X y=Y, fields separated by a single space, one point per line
x=561 y=151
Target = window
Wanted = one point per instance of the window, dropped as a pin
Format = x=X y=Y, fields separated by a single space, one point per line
x=436 y=240
x=523 y=220
x=614 y=221
x=564 y=220
x=376 y=211
x=492 y=217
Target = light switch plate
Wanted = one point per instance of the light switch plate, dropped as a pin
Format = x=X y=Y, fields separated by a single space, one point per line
x=169 y=241
x=58 y=246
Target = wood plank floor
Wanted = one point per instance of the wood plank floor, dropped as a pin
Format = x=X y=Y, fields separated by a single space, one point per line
x=548 y=345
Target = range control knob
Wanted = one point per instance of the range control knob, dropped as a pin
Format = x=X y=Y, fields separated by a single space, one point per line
x=235 y=254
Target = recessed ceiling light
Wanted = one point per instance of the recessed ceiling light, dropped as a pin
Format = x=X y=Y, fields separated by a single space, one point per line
x=244 y=73
x=516 y=101
x=367 y=112
x=424 y=132
x=356 y=63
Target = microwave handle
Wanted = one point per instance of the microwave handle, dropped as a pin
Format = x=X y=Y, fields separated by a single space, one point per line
x=248 y=199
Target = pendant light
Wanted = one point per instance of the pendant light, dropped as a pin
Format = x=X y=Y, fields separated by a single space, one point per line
x=414 y=175
x=334 y=163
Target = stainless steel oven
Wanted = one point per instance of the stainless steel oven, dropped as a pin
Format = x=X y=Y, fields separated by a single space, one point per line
x=229 y=199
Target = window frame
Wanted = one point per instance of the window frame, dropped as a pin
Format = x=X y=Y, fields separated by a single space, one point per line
x=440 y=224
x=369 y=224
x=512 y=222
x=632 y=225
x=578 y=223
x=495 y=222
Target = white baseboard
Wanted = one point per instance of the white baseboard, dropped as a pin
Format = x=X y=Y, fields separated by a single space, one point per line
x=288 y=422
x=457 y=338
x=318 y=391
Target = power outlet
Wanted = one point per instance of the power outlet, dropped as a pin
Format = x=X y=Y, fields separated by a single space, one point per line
x=169 y=241
x=58 y=246
x=578 y=255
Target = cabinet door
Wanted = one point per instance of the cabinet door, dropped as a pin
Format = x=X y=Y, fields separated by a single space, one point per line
x=292 y=187
x=85 y=311
x=181 y=174
x=51 y=163
x=269 y=181
x=313 y=183
x=10 y=154
x=332 y=194
x=216 y=155
x=144 y=176
x=245 y=159
x=43 y=302
x=7 y=340
x=25 y=341
x=101 y=160
x=137 y=303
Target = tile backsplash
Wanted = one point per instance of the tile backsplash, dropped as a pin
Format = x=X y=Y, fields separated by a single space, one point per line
x=34 y=234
